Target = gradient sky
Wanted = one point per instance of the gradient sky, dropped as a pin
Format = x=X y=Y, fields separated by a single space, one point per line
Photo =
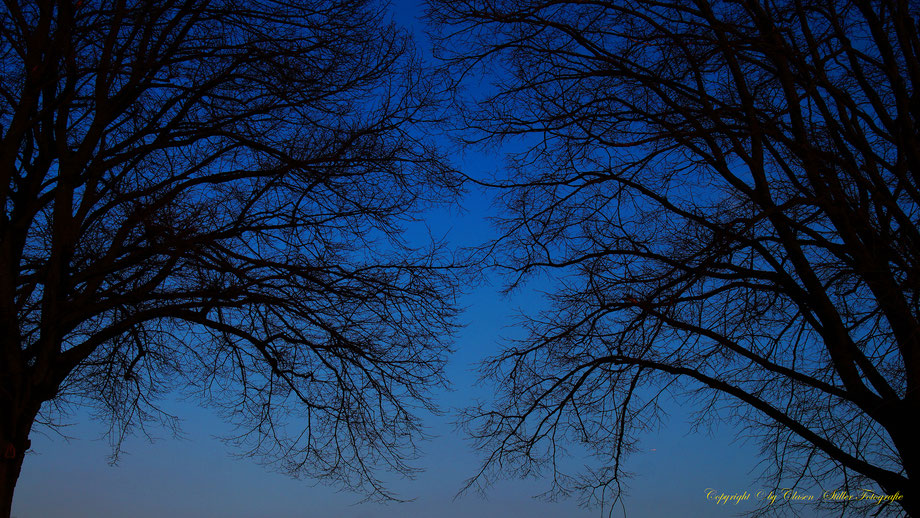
x=196 y=476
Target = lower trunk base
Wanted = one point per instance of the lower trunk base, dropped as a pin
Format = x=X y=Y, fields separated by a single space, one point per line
x=11 y=457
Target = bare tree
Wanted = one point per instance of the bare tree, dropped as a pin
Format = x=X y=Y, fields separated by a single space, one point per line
x=209 y=194
x=727 y=194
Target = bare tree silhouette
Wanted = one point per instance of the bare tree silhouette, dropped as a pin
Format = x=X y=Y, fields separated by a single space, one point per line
x=727 y=194
x=208 y=195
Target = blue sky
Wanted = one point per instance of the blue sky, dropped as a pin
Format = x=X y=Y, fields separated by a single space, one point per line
x=196 y=476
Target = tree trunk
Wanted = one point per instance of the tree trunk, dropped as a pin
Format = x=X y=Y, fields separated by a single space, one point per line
x=9 y=473
x=14 y=441
x=905 y=440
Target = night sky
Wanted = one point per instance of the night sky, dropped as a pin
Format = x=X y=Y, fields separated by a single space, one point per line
x=197 y=476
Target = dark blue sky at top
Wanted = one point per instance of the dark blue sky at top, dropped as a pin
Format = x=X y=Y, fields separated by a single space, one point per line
x=196 y=475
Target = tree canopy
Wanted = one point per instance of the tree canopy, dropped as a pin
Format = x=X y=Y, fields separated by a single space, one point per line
x=727 y=194
x=207 y=196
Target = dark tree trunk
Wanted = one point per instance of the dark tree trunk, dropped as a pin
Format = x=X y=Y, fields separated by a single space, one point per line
x=14 y=441
x=9 y=473
x=904 y=437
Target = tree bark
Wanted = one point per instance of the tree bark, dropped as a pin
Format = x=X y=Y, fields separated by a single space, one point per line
x=8 y=476
x=14 y=442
